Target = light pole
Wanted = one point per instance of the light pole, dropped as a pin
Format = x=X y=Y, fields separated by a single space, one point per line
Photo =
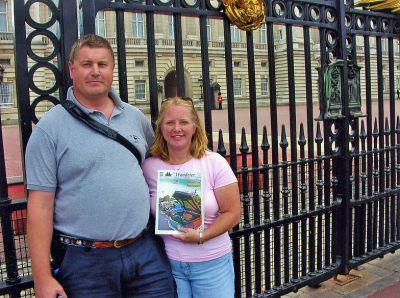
x=1 y=74
x=201 y=85
x=160 y=84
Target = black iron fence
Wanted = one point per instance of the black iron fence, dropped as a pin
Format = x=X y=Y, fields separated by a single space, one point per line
x=320 y=194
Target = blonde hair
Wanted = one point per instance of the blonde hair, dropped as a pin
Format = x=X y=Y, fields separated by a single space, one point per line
x=91 y=41
x=198 y=145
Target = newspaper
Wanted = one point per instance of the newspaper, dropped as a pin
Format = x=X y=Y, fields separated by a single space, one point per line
x=180 y=201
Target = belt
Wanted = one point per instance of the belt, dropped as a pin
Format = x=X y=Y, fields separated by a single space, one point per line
x=73 y=241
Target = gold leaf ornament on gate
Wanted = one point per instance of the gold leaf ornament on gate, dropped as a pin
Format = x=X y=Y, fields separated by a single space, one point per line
x=245 y=14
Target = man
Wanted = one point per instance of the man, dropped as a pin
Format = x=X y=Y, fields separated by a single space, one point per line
x=90 y=191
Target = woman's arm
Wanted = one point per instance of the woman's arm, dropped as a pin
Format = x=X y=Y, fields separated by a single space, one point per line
x=228 y=199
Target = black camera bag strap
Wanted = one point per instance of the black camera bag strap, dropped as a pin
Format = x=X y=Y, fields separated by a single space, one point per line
x=75 y=111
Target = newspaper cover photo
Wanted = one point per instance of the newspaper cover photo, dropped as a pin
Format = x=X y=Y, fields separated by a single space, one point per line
x=180 y=202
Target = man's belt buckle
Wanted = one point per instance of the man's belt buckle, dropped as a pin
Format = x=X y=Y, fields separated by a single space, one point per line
x=118 y=244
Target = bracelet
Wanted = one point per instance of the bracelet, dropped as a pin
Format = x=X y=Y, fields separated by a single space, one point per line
x=200 y=242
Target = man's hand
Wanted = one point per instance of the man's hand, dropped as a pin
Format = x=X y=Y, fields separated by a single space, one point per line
x=49 y=288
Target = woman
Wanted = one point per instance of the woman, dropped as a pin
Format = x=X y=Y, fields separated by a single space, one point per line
x=201 y=260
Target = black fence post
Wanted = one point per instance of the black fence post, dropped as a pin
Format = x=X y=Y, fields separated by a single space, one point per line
x=6 y=224
x=342 y=222
x=8 y=242
x=21 y=71
x=69 y=34
x=340 y=150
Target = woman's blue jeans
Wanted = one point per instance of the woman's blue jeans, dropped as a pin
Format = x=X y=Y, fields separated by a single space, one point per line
x=208 y=279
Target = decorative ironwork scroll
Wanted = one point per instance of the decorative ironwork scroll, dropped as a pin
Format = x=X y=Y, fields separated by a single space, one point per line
x=354 y=91
x=331 y=103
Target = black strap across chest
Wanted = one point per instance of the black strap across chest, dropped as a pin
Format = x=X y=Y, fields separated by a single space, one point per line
x=75 y=111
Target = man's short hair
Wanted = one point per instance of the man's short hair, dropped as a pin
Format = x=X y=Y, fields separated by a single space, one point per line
x=91 y=41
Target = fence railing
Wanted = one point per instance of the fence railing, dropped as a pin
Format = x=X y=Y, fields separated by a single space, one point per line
x=317 y=198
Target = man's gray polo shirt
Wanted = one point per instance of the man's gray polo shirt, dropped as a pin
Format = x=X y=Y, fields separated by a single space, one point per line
x=100 y=191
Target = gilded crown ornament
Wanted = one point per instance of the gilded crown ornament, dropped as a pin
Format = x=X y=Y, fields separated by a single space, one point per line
x=245 y=14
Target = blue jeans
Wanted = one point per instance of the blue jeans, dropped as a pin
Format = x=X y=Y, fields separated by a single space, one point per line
x=208 y=279
x=137 y=270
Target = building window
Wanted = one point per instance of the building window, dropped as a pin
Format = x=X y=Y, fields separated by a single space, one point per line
x=383 y=44
x=235 y=34
x=101 y=23
x=55 y=28
x=209 y=30
x=5 y=62
x=139 y=63
x=3 y=16
x=56 y=93
x=171 y=27
x=138 y=25
x=263 y=33
x=264 y=64
x=280 y=34
x=237 y=87
x=236 y=64
x=140 y=89
x=264 y=86
x=6 y=95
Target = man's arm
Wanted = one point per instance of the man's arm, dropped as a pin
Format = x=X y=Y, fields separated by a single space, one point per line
x=40 y=231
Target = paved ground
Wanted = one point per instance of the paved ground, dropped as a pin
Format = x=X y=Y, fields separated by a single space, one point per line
x=12 y=153
x=379 y=278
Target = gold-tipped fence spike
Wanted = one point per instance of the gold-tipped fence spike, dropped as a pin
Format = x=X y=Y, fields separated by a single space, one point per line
x=392 y=5
x=396 y=7
x=396 y=10
x=389 y=4
x=386 y=3
x=368 y=2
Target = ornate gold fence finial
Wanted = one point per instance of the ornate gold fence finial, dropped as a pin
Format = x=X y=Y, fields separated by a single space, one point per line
x=245 y=14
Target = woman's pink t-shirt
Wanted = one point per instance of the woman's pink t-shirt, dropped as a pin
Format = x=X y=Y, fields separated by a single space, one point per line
x=216 y=173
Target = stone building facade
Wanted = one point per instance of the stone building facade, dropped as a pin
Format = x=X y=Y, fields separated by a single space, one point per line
x=137 y=71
